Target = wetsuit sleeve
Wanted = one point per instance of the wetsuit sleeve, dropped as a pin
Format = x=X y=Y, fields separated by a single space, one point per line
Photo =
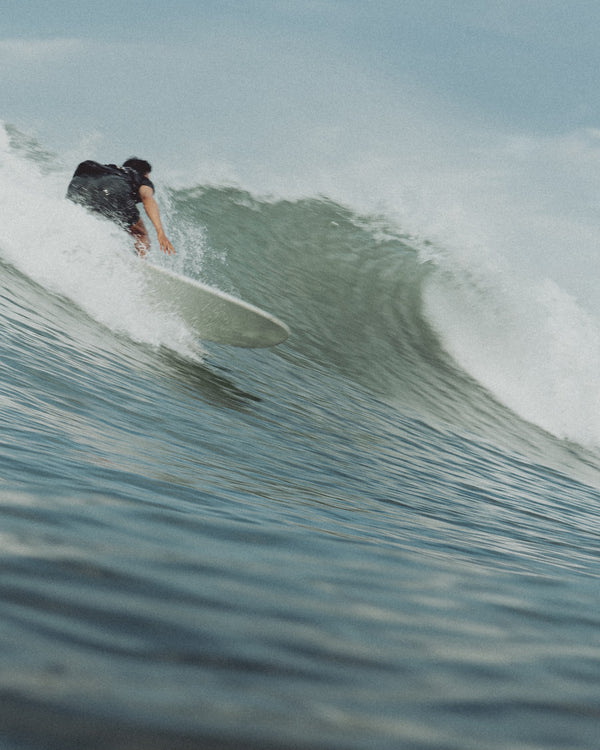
x=149 y=183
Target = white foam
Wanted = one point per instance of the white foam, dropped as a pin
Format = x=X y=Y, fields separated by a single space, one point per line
x=529 y=343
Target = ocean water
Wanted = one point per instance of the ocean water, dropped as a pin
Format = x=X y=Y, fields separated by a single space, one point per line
x=383 y=533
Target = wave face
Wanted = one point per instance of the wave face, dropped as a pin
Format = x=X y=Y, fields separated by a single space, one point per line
x=381 y=533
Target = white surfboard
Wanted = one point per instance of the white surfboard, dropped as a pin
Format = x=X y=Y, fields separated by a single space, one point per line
x=214 y=315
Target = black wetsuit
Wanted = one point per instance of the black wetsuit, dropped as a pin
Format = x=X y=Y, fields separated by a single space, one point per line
x=108 y=190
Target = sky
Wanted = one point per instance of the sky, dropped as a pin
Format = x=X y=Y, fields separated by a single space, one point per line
x=228 y=79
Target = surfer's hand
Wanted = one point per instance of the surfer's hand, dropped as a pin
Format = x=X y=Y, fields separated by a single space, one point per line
x=165 y=245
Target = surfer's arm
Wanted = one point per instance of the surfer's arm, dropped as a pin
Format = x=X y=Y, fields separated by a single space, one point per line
x=151 y=208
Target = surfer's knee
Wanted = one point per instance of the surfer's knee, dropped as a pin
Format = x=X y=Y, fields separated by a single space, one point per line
x=141 y=237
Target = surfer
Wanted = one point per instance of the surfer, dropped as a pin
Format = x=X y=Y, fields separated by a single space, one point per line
x=114 y=192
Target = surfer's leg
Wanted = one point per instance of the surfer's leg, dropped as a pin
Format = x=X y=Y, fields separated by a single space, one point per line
x=141 y=237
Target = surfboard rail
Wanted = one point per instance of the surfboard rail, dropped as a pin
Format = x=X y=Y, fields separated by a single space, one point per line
x=214 y=315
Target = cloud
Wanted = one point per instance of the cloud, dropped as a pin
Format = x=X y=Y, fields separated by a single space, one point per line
x=15 y=53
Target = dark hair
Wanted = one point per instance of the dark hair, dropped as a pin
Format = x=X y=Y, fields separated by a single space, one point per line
x=140 y=165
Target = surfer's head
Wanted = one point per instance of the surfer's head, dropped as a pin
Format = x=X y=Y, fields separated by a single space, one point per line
x=140 y=165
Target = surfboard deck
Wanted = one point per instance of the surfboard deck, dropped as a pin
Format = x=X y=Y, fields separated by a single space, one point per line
x=212 y=314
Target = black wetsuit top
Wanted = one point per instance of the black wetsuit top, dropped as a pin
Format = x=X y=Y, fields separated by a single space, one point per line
x=108 y=190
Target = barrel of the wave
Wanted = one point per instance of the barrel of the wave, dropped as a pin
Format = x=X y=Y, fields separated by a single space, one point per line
x=212 y=314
